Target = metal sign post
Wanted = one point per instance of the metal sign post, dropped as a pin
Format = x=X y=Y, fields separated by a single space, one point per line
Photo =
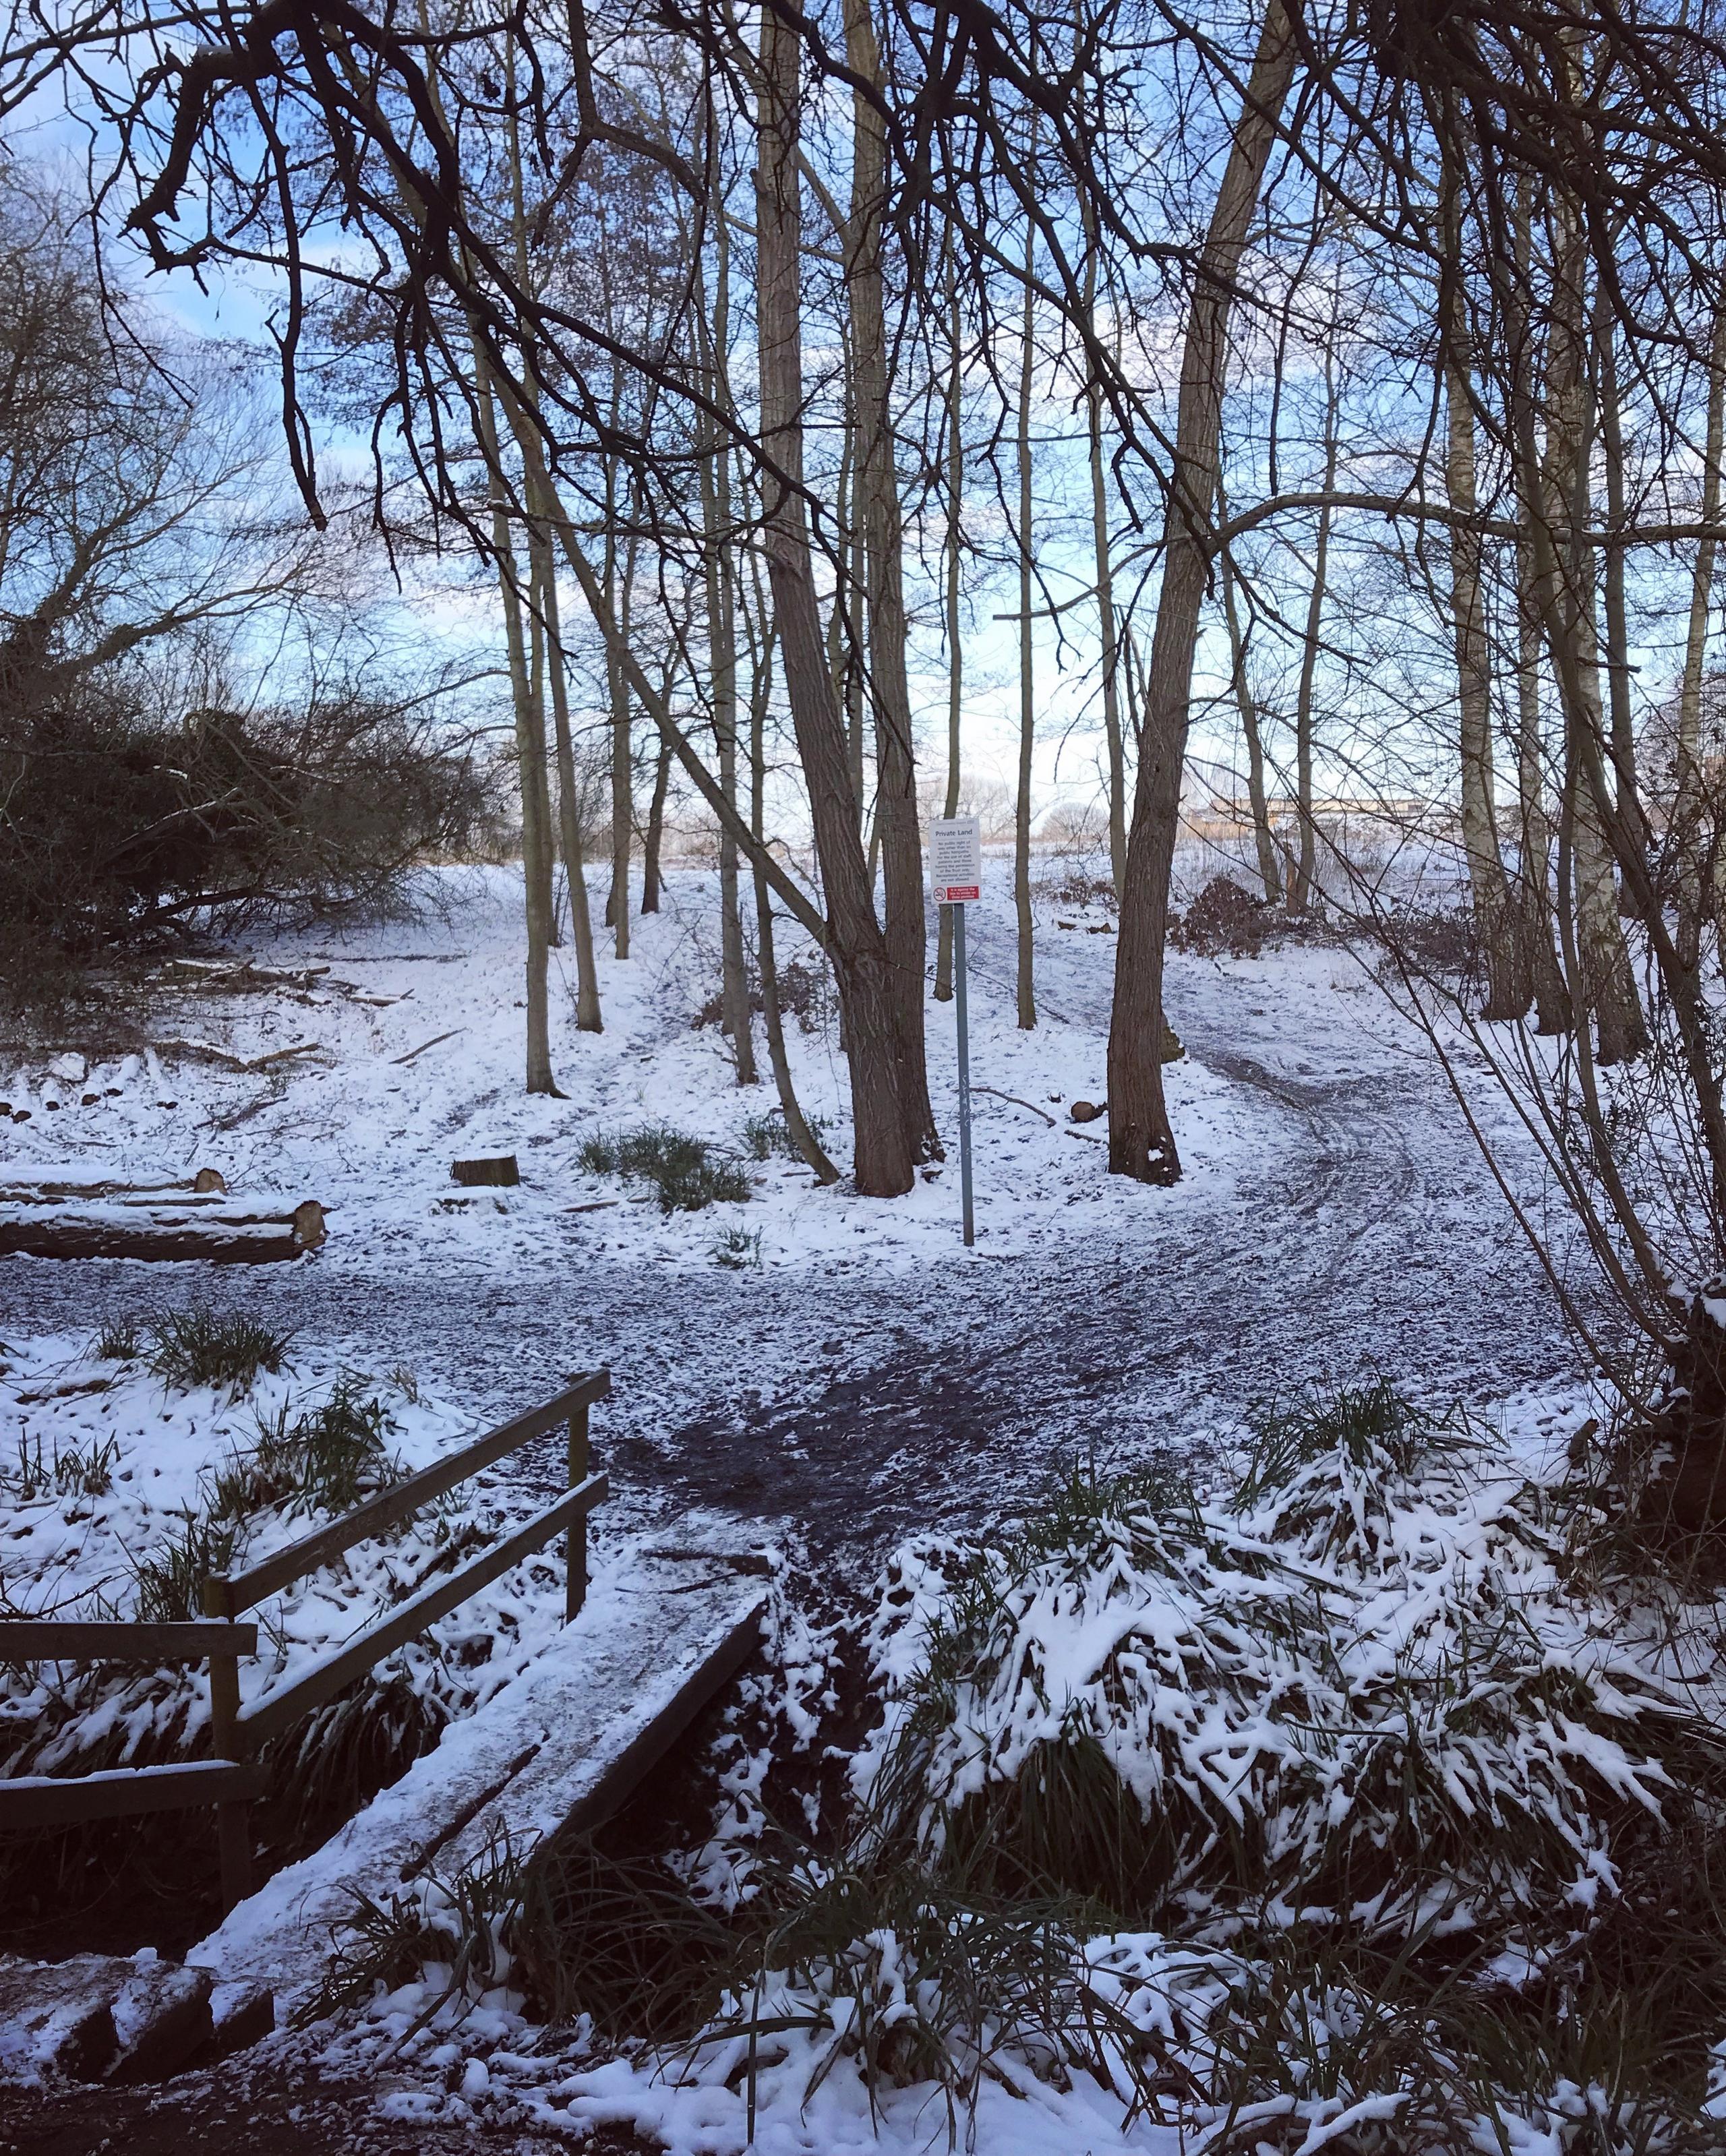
x=965 y=1025
x=956 y=865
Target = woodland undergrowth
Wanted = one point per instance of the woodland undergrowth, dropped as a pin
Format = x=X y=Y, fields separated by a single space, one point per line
x=1371 y=1800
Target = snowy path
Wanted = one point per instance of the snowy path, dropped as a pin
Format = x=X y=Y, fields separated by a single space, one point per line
x=1351 y=1227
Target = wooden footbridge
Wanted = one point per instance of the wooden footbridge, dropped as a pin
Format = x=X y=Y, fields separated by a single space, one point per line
x=645 y=1646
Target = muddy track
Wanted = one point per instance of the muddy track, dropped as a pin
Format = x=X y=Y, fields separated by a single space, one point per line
x=861 y=1408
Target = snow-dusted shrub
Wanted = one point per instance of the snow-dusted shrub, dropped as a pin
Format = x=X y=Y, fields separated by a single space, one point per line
x=1359 y=1687
x=682 y=1169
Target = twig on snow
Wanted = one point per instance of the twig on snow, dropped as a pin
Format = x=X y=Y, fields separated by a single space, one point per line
x=1000 y=1096
x=425 y=1045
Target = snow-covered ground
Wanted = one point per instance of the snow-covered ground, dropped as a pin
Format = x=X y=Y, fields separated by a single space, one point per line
x=869 y=1374
x=840 y=1369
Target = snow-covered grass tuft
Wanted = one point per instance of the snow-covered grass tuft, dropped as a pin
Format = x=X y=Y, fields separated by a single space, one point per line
x=203 y=1346
x=1358 y=1688
x=684 y=1171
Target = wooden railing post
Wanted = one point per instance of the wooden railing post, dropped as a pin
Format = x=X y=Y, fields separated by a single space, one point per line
x=233 y=1825
x=575 y=1545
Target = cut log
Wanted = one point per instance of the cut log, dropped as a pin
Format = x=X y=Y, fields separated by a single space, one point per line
x=496 y=1168
x=57 y=1189
x=164 y=1233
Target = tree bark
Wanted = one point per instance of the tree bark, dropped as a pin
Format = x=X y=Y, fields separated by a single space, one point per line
x=1027 y=983
x=955 y=655
x=1114 y=741
x=622 y=782
x=1263 y=840
x=1300 y=888
x=1622 y=738
x=1537 y=921
x=530 y=751
x=587 y=1018
x=1691 y=873
x=883 y=1162
x=543 y=599
x=722 y=666
x=1535 y=925
x=1606 y=983
x=906 y=922
x=1141 y=1141
x=1509 y=990
x=653 y=881
x=797 y=1125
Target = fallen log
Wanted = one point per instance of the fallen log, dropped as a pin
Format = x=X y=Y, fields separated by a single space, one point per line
x=167 y=1190
x=162 y=1233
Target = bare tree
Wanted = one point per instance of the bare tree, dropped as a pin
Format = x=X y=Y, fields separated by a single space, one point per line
x=1141 y=1139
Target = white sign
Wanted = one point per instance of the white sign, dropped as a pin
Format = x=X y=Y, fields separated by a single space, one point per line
x=956 y=859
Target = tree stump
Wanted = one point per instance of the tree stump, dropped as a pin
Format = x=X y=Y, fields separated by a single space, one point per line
x=497 y=1168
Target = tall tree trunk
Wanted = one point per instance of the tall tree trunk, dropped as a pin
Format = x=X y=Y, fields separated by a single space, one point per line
x=1552 y=997
x=1300 y=888
x=622 y=777
x=537 y=695
x=803 y=1138
x=549 y=641
x=884 y=1165
x=906 y=922
x=1607 y=984
x=1114 y=741
x=722 y=666
x=1622 y=738
x=1266 y=844
x=529 y=751
x=587 y=1018
x=1027 y=1000
x=1141 y=1141
x=955 y=655
x=653 y=882
x=1537 y=919
x=1509 y=989
x=1693 y=879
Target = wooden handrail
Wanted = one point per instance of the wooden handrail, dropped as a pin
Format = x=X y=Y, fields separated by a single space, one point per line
x=74 y=1639
x=268 y=1717
x=228 y=1597
x=31 y=1802
x=232 y=1780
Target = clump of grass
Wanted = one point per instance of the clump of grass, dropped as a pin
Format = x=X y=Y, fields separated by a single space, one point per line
x=621 y=1938
x=73 y=1471
x=455 y=1923
x=203 y=1346
x=738 y=1249
x=31 y=1478
x=913 y=1976
x=170 y=1579
x=766 y=1137
x=81 y=1472
x=327 y=1458
x=120 y=1340
x=683 y=1170
x=323 y=1770
x=1350 y=1686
